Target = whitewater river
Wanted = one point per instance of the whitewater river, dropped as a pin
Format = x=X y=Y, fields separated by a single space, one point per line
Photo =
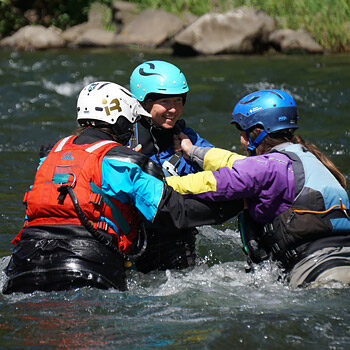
x=215 y=305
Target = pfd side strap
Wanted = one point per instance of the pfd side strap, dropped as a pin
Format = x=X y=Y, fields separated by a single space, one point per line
x=340 y=206
x=117 y=215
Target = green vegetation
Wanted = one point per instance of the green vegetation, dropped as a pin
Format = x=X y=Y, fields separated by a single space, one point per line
x=62 y=14
x=327 y=20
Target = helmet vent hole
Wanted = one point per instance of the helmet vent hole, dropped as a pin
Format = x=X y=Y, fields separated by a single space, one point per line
x=99 y=109
x=274 y=105
x=112 y=120
x=249 y=101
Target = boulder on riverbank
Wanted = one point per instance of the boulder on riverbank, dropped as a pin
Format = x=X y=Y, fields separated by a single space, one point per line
x=288 y=41
x=123 y=13
x=92 y=32
x=243 y=30
x=150 y=28
x=34 y=37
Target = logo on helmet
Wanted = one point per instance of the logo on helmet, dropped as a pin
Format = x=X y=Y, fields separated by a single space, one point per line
x=151 y=66
x=115 y=104
x=92 y=86
x=253 y=110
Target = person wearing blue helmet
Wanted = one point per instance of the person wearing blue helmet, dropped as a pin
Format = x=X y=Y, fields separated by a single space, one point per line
x=296 y=204
x=161 y=88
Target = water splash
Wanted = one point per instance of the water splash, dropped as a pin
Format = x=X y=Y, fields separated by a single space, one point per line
x=67 y=88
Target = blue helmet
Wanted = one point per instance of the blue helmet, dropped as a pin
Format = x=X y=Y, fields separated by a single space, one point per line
x=272 y=109
x=158 y=77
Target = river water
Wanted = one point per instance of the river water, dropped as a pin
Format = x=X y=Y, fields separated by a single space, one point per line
x=216 y=304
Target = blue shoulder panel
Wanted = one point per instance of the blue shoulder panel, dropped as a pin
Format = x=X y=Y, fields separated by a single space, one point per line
x=127 y=183
x=319 y=178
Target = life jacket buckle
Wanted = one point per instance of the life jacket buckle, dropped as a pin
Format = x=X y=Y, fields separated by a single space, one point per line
x=343 y=208
x=63 y=189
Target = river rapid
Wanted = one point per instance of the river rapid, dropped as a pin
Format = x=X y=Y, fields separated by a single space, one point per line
x=216 y=304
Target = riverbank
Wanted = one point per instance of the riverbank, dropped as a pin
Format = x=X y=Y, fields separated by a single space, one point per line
x=205 y=27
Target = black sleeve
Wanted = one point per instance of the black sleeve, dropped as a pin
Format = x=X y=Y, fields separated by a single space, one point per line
x=182 y=212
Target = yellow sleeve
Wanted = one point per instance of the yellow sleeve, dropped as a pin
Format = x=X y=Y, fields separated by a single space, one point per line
x=203 y=181
x=217 y=158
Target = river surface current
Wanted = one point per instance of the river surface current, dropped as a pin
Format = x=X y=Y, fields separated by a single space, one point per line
x=216 y=304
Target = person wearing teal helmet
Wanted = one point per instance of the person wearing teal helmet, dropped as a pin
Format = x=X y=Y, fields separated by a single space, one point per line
x=89 y=194
x=297 y=208
x=162 y=88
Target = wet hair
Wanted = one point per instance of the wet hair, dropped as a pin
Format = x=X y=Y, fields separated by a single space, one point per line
x=274 y=139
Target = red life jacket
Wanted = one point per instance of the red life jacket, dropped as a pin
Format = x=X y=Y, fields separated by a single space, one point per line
x=81 y=166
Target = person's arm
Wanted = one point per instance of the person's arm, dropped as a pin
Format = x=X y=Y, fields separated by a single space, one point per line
x=266 y=182
x=208 y=158
x=128 y=182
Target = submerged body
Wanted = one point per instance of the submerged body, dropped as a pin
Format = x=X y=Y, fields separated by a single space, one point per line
x=90 y=194
x=161 y=88
x=56 y=251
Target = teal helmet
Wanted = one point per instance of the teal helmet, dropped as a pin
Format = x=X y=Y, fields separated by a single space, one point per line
x=157 y=77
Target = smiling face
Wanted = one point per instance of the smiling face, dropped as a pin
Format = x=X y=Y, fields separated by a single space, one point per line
x=165 y=111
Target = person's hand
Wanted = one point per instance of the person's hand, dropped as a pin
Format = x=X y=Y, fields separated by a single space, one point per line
x=137 y=148
x=177 y=143
x=182 y=143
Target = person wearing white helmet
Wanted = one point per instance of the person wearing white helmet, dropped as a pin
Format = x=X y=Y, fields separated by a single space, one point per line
x=90 y=191
x=161 y=88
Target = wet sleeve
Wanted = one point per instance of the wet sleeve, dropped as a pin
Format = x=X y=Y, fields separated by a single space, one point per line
x=127 y=183
x=213 y=158
x=217 y=158
x=159 y=203
x=185 y=212
x=245 y=179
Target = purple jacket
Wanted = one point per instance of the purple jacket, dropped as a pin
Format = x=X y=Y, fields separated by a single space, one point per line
x=266 y=182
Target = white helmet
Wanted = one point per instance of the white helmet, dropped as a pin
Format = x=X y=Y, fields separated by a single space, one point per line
x=105 y=101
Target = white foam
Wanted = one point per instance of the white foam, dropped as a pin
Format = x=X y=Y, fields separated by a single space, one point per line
x=68 y=89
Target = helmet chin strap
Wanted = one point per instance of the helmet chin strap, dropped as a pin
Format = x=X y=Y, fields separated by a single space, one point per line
x=254 y=144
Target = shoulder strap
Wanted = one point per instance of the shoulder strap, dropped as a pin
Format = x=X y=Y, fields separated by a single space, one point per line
x=98 y=145
x=134 y=137
x=60 y=144
x=124 y=226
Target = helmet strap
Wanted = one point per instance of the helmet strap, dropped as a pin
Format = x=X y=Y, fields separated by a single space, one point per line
x=254 y=144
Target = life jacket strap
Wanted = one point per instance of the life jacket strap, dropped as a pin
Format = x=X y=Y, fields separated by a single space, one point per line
x=117 y=215
x=172 y=163
x=336 y=207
